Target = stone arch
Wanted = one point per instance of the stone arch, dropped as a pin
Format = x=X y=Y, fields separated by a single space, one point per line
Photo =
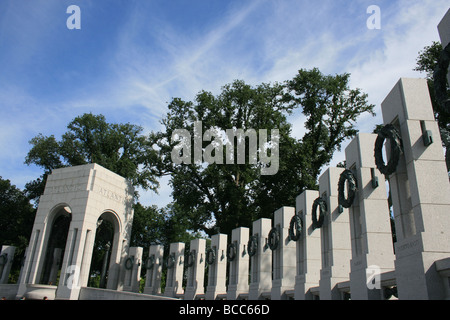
x=107 y=243
x=57 y=228
x=88 y=192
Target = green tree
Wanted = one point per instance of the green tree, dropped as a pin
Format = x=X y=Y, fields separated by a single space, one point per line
x=120 y=148
x=427 y=61
x=227 y=196
x=16 y=221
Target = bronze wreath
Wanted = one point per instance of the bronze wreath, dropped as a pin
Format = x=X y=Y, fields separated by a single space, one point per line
x=129 y=263
x=150 y=262
x=347 y=175
x=295 y=228
x=391 y=133
x=190 y=259
x=170 y=262
x=231 y=251
x=274 y=238
x=319 y=202
x=252 y=245
x=210 y=256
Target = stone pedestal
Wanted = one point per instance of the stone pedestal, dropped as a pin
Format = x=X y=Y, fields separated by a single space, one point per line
x=132 y=266
x=218 y=269
x=335 y=237
x=195 y=263
x=238 y=274
x=174 y=264
x=261 y=261
x=308 y=249
x=283 y=256
x=154 y=268
x=420 y=192
x=372 y=247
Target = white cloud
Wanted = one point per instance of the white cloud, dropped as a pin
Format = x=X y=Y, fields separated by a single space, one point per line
x=258 y=41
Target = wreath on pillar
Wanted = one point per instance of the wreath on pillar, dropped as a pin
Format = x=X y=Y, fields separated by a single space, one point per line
x=129 y=263
x=346 y=175
x=391 y=133
x=210 y=256
x=322 y=205
x=231 y=251
x=274 y=238
x=252 y=245
x=170 y=262
x=295 y=228
x=3 y=259
x=150 y=262
x=190 y=259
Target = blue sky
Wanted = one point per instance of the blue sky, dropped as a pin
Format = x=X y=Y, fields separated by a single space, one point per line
x=132 y=57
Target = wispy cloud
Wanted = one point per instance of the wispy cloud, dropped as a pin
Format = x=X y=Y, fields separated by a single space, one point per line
x=130 y=67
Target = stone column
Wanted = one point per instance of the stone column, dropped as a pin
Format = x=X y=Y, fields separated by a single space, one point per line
x=308 y=248
x=6 y=260
x=174 y=263
x=261 y=261
x=335 y=236
x=372 y=247
x=133 y=264
x=420 y=192
x=218 y=268
x=284 y=255
x=77 y=260
x=195 y=263
x=154 y=268
x=238 y=274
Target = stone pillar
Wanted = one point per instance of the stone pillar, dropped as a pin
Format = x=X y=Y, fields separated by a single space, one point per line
x=77 y=260
x=308 y=248
x=370 y=227
x=261 y=261
x=218 y=268
x=6 y=260
x=154 y=268
x=239 y=263
x=420 y=192
x=174 y=263
x=335 y=237
x=132 y=265
x=284 y=255
x=195 y=263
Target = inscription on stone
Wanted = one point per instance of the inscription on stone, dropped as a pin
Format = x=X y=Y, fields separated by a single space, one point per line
x=68 y=188
x=109 y=194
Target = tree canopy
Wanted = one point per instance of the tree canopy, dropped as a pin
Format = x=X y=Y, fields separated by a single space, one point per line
x=427 y=62
x=212 y=197
x=121 y=148
x=225 y=196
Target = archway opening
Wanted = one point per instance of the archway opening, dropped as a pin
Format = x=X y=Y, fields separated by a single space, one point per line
x=56 y=246
x=101 y=253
